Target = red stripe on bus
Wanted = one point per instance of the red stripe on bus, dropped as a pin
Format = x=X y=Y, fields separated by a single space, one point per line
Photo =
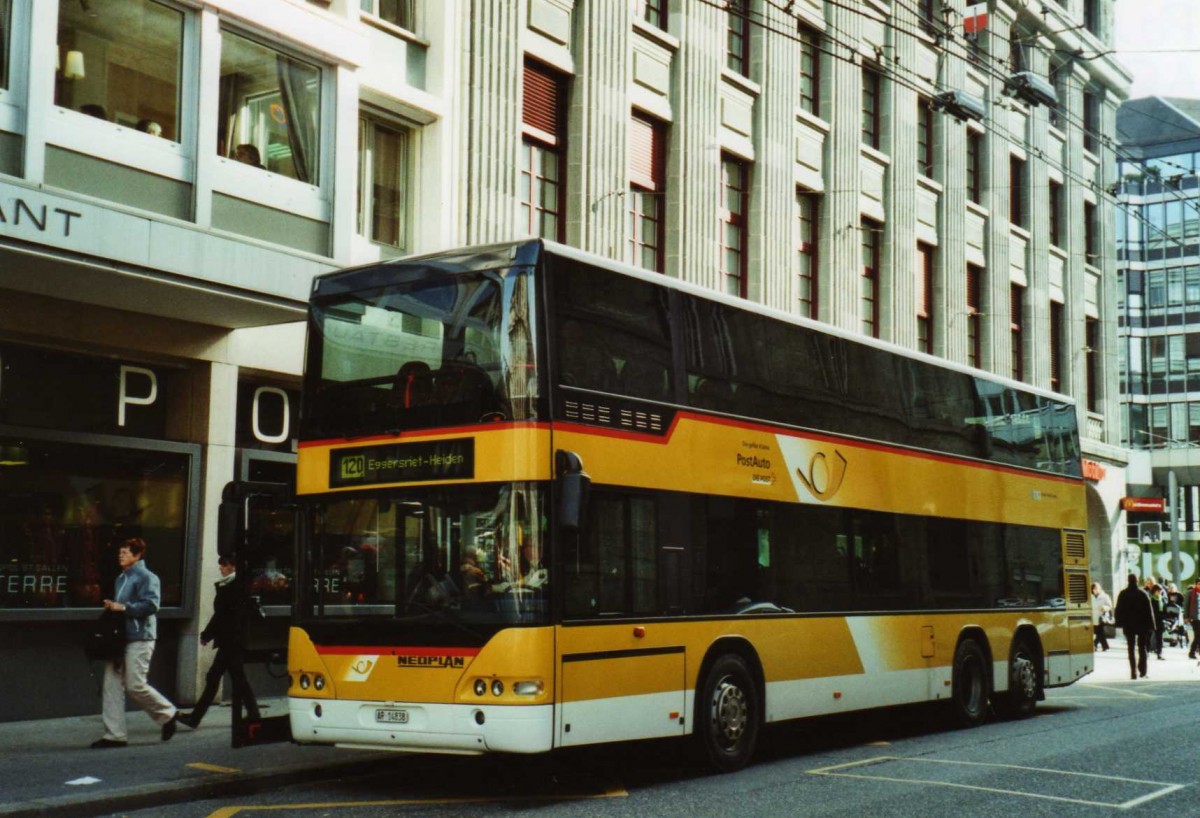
x=392 y=650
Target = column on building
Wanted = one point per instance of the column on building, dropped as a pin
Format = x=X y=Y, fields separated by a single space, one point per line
x=950 y=163
x=994 y=294
x=213 y=423
x=898 y=277
x=488 y=110
x=693 y=150
x=841 y=215
x=776 y=56
x=598 y=124
x=1109 y=394
x=1036 y=139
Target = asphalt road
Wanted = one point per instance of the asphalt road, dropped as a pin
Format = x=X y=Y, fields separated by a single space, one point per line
x=1104 y=746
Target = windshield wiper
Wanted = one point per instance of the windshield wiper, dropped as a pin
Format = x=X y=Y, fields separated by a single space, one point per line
x=443 y=615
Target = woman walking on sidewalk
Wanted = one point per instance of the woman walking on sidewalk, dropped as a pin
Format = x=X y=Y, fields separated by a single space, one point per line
x=1101 y=616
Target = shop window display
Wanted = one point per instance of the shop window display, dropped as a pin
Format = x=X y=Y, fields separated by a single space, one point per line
x=65 y=508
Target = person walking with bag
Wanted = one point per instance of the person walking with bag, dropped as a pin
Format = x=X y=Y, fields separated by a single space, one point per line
x=137 y=595
x=1101 y=616
x=1135 y=616
x=1191 y=615
x=225 y=630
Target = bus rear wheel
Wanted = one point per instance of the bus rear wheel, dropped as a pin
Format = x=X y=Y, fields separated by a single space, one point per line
x=727 y=714
x=1021 y=699
x=969 y=684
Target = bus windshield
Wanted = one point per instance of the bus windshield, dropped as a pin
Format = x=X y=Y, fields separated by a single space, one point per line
x=475 y=554
x=419 y=347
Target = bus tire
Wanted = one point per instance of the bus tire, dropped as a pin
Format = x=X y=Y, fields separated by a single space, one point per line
x=727 y=714
x=969 y=684
x=1023 y=669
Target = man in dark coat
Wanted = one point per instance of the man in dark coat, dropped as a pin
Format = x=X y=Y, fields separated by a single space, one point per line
x=1135 y=616
x=224 y=630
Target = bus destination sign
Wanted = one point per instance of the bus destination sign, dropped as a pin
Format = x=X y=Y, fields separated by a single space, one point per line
x=403 y=463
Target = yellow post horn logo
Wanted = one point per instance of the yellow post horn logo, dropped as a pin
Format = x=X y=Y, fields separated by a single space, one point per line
x=824 y=476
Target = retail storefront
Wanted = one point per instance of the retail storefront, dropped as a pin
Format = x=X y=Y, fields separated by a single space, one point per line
x=91 y=453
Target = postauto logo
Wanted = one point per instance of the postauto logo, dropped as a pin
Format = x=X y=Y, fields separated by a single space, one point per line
x=353 y=467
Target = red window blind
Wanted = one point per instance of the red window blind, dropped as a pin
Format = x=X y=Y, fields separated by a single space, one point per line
x=645 y=152
x=543 y=99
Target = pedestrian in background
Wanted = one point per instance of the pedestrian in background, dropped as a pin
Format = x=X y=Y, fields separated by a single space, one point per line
x=1101 y=616
x=137 y=596
x=226 y=630
x=1135 y=617
x=1191 y=615
x=1156 y=599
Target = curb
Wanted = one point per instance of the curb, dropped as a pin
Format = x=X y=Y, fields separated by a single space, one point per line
x=156 y=795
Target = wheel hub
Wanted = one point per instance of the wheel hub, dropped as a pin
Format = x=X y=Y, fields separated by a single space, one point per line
x=1025 y=677
x=729 y=710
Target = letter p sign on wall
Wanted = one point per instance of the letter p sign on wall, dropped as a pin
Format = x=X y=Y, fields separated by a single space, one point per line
x=145 y=392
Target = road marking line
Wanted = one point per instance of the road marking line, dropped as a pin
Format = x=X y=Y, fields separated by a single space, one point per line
x=615 y=791
x=212 y=768
x=1126 y=691
x=833 y=772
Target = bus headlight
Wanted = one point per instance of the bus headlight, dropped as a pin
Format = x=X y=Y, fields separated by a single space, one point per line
x=480 y=687
x=319 y=682
x=304 y=682
x=530 y=688
x=497 y=688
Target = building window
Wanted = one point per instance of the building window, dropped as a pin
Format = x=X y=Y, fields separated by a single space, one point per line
x=399 y=13
x=872 y=240
x=1056 y=346
x=1091 y=16
x=542 y=153
x=382 y=182
x=1091 y=120
x=5 y=29
x=1016 y=191
x=808 y=215
x=654 y=12
x=269 y=109
x=871 y=100
x=810 y=70
x=927 y=15
x=975 y=166
x=1091 y=233
x=1016 y=329
x=974 y=316
x=735 y=184
x=122 y=65
x=1056 y=213
x=924 y=138
x=925 y=297
x=1091 y=328
x=737 y=43
x=647 y=193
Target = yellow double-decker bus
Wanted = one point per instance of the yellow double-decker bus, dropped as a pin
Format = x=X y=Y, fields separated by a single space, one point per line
x=551 y=500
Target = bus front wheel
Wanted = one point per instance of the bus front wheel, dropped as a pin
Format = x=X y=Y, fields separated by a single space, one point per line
x=1023 y=668
x=969 y=684
x=727 y=714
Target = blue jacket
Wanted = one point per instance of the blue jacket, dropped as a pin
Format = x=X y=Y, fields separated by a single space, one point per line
x=139 y=590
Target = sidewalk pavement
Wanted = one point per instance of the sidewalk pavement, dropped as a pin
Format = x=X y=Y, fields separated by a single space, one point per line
x=50 y=769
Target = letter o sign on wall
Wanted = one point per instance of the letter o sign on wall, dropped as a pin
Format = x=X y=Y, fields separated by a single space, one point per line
x=257 y=412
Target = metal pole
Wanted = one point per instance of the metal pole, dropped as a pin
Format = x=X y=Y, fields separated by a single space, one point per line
x=1173 y=511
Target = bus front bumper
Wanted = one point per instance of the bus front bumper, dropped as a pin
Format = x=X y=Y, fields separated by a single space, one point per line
x=423 y=727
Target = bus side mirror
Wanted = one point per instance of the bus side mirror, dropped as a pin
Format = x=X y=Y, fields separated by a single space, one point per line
x=573 y=485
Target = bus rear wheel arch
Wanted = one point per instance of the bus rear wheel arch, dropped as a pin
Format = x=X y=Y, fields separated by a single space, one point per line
x=729 y=712
x=970 y=681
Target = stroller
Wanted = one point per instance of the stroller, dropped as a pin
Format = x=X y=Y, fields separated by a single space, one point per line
x=1175 y=631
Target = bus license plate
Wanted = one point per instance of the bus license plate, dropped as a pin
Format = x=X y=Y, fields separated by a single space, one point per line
x=391 y=716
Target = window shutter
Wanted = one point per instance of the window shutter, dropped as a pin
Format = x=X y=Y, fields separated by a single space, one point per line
x=645 y=152
x=972 y=288
x=542 y=102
